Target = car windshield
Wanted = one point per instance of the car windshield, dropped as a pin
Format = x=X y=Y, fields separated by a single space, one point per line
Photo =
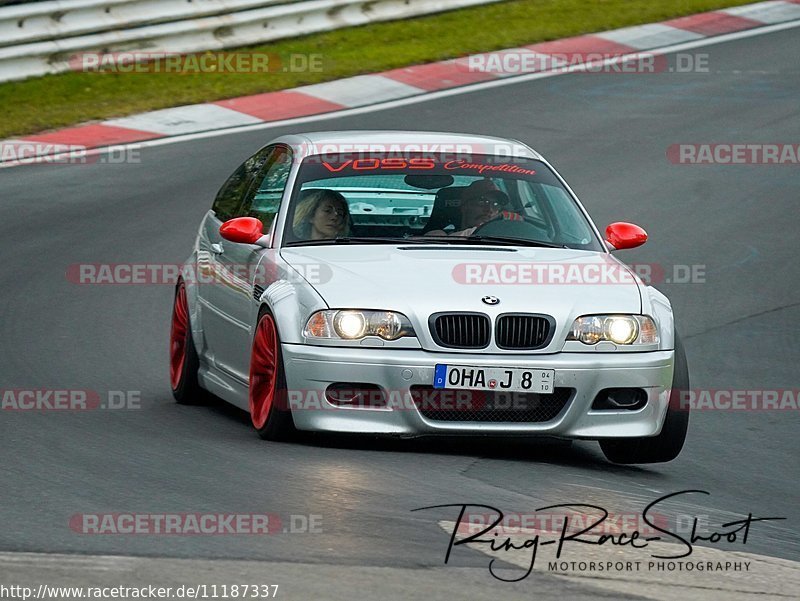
x=340 y=199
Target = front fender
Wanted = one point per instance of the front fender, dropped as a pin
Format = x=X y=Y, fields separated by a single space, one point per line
x=289 y=297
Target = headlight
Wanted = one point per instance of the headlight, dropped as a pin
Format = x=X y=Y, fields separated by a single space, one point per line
x=350 y=324
x=353 y=324
x=619 y=329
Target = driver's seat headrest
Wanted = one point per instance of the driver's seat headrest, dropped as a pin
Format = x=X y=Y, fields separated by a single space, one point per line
x=446 y=209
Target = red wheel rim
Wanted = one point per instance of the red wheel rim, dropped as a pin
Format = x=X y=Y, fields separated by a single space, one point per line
x=263 y=370
x=178 y=336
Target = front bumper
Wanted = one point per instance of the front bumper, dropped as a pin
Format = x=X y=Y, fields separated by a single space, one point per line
x=310 y=369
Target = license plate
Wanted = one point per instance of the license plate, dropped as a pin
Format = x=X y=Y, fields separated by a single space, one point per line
x=494 y=378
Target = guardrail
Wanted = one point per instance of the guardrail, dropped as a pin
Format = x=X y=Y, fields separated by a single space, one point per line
x=40 y=38
x=61 y=19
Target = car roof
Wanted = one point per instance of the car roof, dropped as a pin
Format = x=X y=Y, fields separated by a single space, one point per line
x=319 y=142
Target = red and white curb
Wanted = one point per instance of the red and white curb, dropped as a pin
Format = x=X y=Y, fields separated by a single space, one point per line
x=364 y=90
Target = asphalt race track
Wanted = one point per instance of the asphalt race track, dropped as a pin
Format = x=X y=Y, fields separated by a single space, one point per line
x=608 y=135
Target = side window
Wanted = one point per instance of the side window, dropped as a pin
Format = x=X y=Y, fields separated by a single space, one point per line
x=229 y=198
x=264 y=199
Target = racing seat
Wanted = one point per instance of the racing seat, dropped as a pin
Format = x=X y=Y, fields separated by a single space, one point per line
x=446 y=209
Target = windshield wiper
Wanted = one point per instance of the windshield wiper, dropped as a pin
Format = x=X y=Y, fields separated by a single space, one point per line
x=501 y=240
x=518 y=241
x=455 y=240
x=356 y=240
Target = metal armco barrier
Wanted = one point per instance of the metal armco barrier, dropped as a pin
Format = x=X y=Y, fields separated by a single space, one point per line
x=40 y=38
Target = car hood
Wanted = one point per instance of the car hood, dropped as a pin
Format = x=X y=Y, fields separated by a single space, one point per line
x=421 y=280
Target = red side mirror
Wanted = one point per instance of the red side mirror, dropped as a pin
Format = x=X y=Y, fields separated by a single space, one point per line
x=625 y=235
x=246 y=230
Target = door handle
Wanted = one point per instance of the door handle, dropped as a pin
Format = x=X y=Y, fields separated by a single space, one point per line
x=217 y=249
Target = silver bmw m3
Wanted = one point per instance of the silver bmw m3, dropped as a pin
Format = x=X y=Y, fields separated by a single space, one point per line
x=411 y=284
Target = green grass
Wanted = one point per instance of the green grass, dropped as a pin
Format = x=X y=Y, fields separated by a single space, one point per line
x=60 y=100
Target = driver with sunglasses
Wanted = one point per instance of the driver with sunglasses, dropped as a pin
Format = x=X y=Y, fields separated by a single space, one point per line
x=482 y=201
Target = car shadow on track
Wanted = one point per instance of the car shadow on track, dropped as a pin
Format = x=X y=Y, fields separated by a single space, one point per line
x=516 y=449
x=583 y=454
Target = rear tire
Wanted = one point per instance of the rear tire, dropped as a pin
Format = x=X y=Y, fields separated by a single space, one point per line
x=183 y=361
x=667 y=445
x=269 y=409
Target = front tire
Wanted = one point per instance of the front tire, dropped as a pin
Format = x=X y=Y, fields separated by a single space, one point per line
x=667 y=445
x=183 y=361
x=269 y=410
